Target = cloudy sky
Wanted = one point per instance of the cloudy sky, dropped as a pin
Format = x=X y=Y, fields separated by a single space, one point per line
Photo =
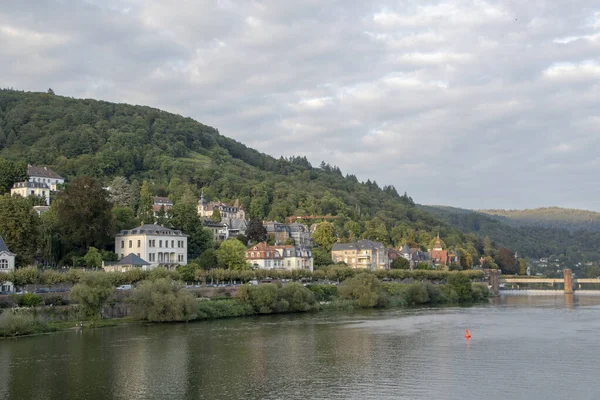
x=468 y=103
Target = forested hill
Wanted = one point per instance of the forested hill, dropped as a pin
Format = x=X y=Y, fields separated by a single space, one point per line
x=174 y=154
x=530 y=241
x=550 y=217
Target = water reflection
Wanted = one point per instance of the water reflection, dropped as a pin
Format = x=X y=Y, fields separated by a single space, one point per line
x=519 y=346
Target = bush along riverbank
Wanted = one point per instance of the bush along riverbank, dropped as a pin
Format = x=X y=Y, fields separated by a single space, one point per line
x=161 y=299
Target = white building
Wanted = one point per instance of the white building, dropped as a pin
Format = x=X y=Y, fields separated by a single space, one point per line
x=44 y=175
x=290 y=257
x=155 y=244
x=7 y=264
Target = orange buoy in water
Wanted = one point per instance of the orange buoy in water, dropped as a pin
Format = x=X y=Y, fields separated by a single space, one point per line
x=467 y=334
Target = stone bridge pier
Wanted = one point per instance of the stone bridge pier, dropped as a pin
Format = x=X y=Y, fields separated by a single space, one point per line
x=568 y=279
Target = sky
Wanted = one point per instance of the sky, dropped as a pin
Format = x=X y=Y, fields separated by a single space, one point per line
x=475 y=104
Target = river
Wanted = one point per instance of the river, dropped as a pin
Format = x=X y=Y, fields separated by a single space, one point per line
x=521 y=348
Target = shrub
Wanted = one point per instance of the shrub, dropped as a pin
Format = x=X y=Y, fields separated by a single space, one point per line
x=55 y=301
x=24 y=276
x=29 y=300
x=263 y=298
x=365 y=288
x=416 y=293
x=161 y=300
x=480 y=291
x=223 y=309
x=323 y=292
x=296 y=297
x=52 y=277
x=91 y=293
x=448 y=294
x=16 y=324
x=462 y=286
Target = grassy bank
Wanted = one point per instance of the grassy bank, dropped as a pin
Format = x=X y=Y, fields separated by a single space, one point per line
x=161 y=300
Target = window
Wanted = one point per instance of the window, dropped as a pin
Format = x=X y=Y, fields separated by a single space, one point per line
x=172 y=243
x=160 y=243
x=167 y=244
x=130 y=244
x=252 y=254
x=139 y=244
x=122 y=244
x=289 y=263
x=3 y=264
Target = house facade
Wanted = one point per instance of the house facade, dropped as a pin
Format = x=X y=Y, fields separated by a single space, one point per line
x=219 y=230
x=295 y=257
x=161 y=203
x=155 y=244
x=28 y=189
x=263 y=256
x=45 y=175
x=364 y=254
x=442 y=257
x=282 y=232
x=7 y=264
x=234 y=211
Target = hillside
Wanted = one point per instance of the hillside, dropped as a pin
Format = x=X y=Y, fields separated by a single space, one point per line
x=104 y=140
x=550 y=217
x=529 y=241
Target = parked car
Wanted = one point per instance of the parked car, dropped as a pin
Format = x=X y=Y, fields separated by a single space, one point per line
x=124 y=287
x=42 y=290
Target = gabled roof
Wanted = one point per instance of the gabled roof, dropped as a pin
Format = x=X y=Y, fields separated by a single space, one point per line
x=44 y=172
x=132 y=259
x=3 y=245
x=360 y=245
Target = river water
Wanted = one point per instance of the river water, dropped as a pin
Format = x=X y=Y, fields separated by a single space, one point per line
x=521 y=348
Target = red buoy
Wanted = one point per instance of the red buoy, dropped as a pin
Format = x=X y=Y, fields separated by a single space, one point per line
x=467 y=334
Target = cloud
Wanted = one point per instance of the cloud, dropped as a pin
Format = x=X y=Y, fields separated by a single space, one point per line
x=456 y=102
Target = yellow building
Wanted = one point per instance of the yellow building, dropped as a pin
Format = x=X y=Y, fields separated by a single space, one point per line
x=364 y=254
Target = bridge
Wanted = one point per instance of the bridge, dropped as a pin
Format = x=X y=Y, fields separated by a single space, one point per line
x=566 y=283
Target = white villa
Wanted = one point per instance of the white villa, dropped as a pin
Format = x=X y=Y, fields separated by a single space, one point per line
x=155 y=244
x=44 y=175
x=7 y=264
x=42 y=180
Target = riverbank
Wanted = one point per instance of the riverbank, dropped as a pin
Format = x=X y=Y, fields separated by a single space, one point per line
x=160 y=301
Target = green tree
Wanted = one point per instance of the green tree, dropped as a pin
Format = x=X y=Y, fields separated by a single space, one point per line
x=256 y=232
x=353 y=229
x=121 y=193
x=364 y=288
x=124 y=218
x=19 y=227
x=324 y=236
x=376 y=231
x=11 y=173
x=522 y=267
x=216 y=215
x=488 y=249
x=93 y=258
x=145 y=205
x=92 y=293
x=162 y=301
x=400 y=263
x=462 y=286
x=466 y=259
x=506 y=261
x=232 y=255
x=162 y=217
x=185 y=218
x=84 y=215
x=208 y=259
x=188 y=271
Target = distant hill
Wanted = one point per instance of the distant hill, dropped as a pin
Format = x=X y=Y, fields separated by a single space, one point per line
x=77 y=137
x=550 y=217
x=527 y=239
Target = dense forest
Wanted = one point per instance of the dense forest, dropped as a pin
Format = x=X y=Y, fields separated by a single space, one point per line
x=177 y=155
x=531 y=241
x=550 y=217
